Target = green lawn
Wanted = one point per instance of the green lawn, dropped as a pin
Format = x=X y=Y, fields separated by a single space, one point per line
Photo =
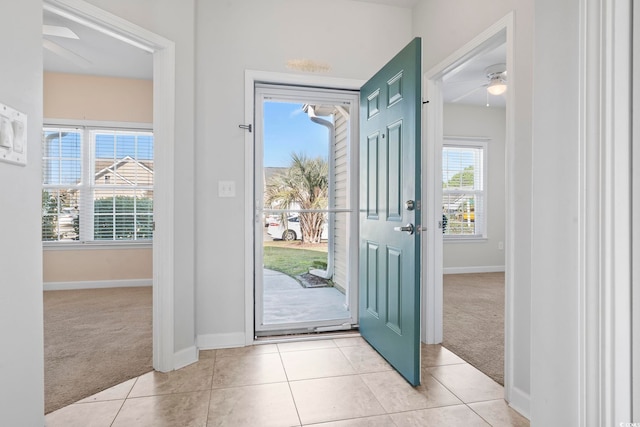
x=293 y=262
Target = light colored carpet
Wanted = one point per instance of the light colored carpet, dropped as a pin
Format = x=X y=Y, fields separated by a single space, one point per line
x=474 y=320
x=93 y=340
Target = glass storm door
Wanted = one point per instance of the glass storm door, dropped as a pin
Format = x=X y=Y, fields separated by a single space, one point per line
x=305 y=225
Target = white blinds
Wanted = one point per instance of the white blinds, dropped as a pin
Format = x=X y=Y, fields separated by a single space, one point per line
x=463 y=190
x=97 y=184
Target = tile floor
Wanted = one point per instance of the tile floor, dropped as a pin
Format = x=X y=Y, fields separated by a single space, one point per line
x=334 y=382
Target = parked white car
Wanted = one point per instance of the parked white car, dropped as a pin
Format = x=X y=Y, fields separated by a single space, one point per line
x=292 y=231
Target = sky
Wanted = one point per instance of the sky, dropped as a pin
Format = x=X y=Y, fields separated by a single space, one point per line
x=287 y=130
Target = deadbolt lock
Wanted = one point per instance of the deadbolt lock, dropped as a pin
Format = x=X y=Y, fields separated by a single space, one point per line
x=410 y=205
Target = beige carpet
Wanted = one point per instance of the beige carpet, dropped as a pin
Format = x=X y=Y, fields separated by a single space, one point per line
x=93 y=340
x=474 y=320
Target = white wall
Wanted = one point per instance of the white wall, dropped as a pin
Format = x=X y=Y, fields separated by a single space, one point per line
x=555 y=292
x=234 y=36
x=473 y=121
x=21 y=357
x=446 y=26
x=581 y=291
x=174 y=20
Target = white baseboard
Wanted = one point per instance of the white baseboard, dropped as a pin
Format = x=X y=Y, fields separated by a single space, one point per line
x=96 y=284
x=520 y=402
x=213 y=341
x=479 y=269
x=185 y=357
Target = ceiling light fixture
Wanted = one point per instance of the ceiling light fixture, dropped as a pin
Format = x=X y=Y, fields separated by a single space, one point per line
x=308 y=65
x=497 y=86
x=497 y=75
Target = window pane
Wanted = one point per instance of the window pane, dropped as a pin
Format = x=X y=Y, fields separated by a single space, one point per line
x=103 y=227
x=145 y=202
x=124 y=158
x=145 y=147
x=105 y=146
x=103 y=202
x=461 y=168
x=462 y=191
x=144 y=226
x=123 y=214
x=459 y=213
x=125 y=227
x=70 y=171
x=60 y=215
x=62 y=157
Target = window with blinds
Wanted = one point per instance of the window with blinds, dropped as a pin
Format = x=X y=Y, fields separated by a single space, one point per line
x=463 y=189
x=97 y=185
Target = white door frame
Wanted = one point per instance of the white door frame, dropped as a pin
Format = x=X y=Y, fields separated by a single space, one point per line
x=251 y=78
x=606 y=224
x=164 y=133
x=432 y=312
x=635 y=199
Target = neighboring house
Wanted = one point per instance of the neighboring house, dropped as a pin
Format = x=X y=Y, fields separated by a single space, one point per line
x=122 y=172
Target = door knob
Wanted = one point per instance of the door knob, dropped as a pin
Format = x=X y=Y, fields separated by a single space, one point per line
x=409 y=228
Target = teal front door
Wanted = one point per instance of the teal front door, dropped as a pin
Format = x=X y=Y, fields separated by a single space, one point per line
x=389 y=309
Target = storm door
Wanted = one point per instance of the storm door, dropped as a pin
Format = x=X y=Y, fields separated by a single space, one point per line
x=305 y=222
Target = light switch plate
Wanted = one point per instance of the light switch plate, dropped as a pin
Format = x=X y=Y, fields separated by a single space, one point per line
x=226 y=189
x=13 y=136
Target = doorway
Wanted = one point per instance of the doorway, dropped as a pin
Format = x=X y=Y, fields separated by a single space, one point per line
x=398 y=85
x=486 y=43
x=163 y=51
x=304 y=199
x=472 y=161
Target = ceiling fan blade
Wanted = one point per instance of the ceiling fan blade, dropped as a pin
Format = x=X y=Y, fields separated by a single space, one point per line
x=466 y=82
x=66 y=53
x=56 y=31
x=468 y=93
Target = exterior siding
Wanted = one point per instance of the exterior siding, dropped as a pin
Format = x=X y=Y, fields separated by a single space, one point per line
x=341 y=198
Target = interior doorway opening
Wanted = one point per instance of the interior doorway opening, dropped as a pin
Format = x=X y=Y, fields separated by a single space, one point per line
x=472 y=160
x=501 y=33
x=163 y=51
x=304 y=198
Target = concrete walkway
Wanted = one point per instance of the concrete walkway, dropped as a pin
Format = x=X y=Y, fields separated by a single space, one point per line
x=286 y=301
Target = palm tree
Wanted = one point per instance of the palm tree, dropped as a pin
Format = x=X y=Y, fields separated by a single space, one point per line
x=304 y=185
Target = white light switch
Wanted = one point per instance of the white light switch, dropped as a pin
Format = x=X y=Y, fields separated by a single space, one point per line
x=13 y=136
x=226 y=189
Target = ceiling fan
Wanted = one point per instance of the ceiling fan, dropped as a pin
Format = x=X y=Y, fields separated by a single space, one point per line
x=66 y=33
x=58 y=31
x=495 y=83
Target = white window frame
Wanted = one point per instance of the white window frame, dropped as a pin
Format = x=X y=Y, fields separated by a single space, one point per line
x=480 y=225
x=87 y=185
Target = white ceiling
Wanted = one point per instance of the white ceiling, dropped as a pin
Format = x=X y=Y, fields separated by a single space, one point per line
x=399 y=3
x=466 y=83
x=95 y=53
